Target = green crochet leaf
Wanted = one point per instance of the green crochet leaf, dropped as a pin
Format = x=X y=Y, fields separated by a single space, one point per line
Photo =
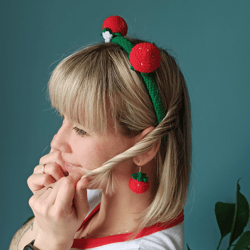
x=106 y=29
x=140 y=177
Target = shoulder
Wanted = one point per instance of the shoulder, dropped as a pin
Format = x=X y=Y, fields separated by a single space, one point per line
x=171 y=238
x=167 y=239
x=24 y=235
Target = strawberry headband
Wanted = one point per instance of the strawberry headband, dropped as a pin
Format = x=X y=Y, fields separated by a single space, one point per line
x=144 y=57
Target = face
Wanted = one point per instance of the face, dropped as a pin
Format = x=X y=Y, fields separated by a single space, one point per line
x=84 y=150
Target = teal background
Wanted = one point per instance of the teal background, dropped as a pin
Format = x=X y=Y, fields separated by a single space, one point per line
x=210 y=40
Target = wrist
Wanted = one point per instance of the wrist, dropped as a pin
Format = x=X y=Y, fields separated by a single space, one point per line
x=45 y=244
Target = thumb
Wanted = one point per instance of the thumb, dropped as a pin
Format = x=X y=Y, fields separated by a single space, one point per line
x=81 y=199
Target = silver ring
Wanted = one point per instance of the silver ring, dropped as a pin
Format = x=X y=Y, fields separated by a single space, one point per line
x=49 y=188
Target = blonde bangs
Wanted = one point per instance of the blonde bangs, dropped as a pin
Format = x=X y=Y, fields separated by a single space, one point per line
x=77 y=90
x=96 y=82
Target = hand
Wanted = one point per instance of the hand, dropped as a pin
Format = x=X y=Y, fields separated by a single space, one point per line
x=60 y=211
x=54 y=170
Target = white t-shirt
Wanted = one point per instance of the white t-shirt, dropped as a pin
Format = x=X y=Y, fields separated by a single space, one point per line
x=152 y=238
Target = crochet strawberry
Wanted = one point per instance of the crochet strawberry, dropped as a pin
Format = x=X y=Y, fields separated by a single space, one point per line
x=145 y=57
x=116 y=24
x=139 y=183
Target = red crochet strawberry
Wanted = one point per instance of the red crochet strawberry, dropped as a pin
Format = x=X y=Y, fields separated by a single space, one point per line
x=145 y=57
x=139 y=183
x=116 y=24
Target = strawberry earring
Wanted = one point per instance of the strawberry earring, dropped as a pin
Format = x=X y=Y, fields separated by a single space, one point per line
x=138 y=183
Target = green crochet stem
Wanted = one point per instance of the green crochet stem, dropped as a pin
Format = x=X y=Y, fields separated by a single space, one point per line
x=123 y=42
x=140 y=177
x=148 y=79
x=154 y=93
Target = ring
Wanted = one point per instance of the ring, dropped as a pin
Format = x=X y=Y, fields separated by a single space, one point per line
x=43 y=168
x=49 y=188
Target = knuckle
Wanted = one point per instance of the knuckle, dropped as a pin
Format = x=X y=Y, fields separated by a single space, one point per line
x=36 y=169
x=32 y=201
x=58 y=213
x=41 y=160
x=39 y=206
x=29 y=181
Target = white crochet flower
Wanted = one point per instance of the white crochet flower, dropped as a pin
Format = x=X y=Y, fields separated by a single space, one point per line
x=107 y=36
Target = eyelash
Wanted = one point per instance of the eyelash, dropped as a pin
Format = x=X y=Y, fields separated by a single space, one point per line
x=80 y=131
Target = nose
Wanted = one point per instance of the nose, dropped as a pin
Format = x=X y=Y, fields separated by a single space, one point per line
x=60 y=139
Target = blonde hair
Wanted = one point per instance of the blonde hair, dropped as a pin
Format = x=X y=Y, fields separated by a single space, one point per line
x=96 y=82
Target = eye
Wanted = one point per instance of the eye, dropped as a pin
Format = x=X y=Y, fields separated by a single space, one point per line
x=79 y=131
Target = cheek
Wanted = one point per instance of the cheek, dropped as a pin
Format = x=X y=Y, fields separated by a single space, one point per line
x=111 y=148
x=91 y=155
x=103 y=153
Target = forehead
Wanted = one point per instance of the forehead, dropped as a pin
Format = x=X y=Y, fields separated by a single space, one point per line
x=80 y=86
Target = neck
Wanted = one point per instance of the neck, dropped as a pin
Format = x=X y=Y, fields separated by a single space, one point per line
x=120 y=212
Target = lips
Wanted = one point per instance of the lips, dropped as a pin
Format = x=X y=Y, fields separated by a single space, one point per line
x=70 y=168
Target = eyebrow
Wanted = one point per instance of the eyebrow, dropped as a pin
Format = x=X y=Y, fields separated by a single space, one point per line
x=78 y=124
x=74 y=122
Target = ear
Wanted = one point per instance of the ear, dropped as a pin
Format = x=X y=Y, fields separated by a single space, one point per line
x=149 y=155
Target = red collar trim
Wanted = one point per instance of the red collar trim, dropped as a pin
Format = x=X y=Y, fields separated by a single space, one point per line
x=96 y=242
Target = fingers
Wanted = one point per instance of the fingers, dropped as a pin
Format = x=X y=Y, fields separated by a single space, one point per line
x=51 y=194
x=54 y=156
x=66 y=192
x=64 y=204
x=39 y=201
x=38 y=181
x=52 y=169
x=55 y=211
x=81 y=199
x=52 y=150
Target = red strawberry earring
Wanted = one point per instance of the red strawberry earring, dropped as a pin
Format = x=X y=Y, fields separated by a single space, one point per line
x=139 y=182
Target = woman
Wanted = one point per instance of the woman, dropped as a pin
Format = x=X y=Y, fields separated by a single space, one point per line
x=113 y=139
